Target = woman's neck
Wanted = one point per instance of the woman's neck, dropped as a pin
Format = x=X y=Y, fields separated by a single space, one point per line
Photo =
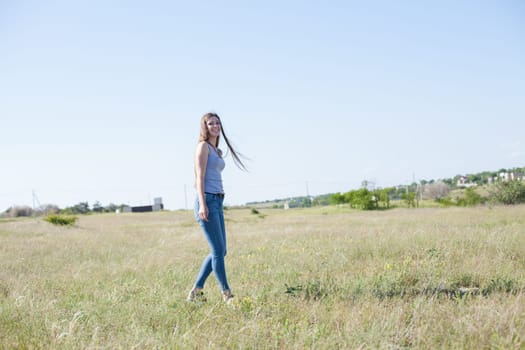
x=212 y=141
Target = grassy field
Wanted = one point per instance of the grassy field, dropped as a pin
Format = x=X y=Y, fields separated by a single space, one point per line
x=323 y=278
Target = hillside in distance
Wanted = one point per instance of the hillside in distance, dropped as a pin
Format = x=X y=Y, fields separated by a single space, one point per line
x=458 y=181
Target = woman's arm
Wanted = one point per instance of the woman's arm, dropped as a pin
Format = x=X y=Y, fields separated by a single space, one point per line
x=201 y=160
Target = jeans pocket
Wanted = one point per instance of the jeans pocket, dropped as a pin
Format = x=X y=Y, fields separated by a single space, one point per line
x=211 y=203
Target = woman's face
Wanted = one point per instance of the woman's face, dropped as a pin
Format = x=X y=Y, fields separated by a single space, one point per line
x=214 y=126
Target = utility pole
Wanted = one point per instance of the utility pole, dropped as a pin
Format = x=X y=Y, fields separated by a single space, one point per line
x=307 y=191
x=185 y=198
x=35 y=200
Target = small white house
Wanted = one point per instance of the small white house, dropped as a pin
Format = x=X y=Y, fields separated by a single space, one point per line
x=464 y=181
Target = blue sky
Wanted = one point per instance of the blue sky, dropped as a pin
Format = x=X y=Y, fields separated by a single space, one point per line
x=101 y=101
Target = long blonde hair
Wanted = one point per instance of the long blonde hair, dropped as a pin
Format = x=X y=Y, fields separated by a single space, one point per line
x=204 y=136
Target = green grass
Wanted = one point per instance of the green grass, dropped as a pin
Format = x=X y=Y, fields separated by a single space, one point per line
x=321 y=278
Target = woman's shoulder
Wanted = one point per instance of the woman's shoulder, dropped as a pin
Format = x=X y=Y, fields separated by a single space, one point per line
x=202 y=146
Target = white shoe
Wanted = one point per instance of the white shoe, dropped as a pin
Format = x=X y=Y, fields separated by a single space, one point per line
x=227 y=297
x=196 y=295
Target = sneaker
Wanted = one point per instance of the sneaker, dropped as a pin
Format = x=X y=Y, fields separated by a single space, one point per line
x=196 y=295
x=227 y=297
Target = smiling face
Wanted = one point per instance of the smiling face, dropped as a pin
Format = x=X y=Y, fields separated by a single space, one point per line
x=210 y=128
x=212 y=131
x=213 y=125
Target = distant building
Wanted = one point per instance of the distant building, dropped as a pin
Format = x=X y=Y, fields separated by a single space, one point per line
x=506 y=176
x=464 y=181
x=157 y=206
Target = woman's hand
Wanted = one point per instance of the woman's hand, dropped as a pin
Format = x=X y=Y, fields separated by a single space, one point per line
x=203 y=212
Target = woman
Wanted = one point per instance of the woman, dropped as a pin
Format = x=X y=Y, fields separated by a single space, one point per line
x=209 y=164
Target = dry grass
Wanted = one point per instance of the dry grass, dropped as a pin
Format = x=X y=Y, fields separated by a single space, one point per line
x=317 y=278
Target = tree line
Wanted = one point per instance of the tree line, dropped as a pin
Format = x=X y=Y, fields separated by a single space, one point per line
x=507 y=192
x=46 y=209
x=487 y=187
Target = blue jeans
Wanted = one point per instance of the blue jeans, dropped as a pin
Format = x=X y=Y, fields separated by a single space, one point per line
x=215 y=233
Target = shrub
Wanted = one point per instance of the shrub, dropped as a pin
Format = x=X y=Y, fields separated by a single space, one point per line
x=61 y=220
x=363 y=199
x=410 y=199
x=336 y=199
x=470 y=198
x=384 y=196
x=446 y=202
x=19 y=211
x=436 y=191
x=508 y=192
x=80 y=208
x=47 y=209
